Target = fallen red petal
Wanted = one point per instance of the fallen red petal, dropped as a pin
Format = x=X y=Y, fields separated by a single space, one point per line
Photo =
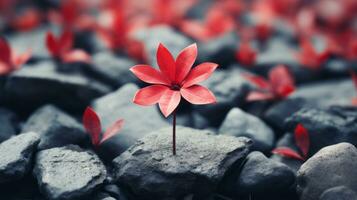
x=302 y=139
x=287 y=152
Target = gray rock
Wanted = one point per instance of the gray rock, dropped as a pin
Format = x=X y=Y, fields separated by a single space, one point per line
x=151 y=37
x=16 y=156
x=42 y=83
x=112 y=69
x=326 y=126
x=68 y=172
x=55 y=128
x=238 y=123
x=332 y=166
x=260 y=174
x=115 y=191
x=8 y=124
x=340 y=193
x=138 y=120
x=230 y=89
x=150 y=170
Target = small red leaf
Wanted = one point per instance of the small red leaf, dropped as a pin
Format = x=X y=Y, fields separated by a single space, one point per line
x=302 y=139
x=259 y=96
x=287 y=152
x=199 y=95
x=246 y=55
x=169 y=102
x=19 y=60
x=260 y=82
x=281 y=81
x=5 y=50
x=200 y=73
x=52 y=45
x=92 y=125
x=112 y=130
x=76 y=55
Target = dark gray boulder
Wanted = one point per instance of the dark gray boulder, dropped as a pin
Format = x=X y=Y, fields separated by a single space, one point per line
x=150 y=170
x=340 y=193
x=138 y=120
x=112 y=69
x=238 y=123
x=262 y=175
x=230 y=89
x=326 y=126
x=332 y=166
x=68 y=172
x=55 y=127
x=16 y=156
x=8 y=124
x=42 y=83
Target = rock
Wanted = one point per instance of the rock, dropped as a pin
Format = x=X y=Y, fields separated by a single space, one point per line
x=115 y=191
x=151 y=37
x=332 y=166
x=262 y=175
x=55 y=128
x=68 y=172
x=326 y=126
x=42 y=83
x=112 y=69
x=277 y=114
x=340 y=193
x=150 y=171
x=238 y=123
x=138 y=120
x=8 y=124
x=220 y=50
x=16 y=156
x=230 y=89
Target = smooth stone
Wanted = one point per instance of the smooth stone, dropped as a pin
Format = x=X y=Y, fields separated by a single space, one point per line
x=239 y=123
x=16 y=156
x=55 y=127
x=202 y=162
x=8 y=124
x=332 y=166
x=340 y=193
x=68 y=172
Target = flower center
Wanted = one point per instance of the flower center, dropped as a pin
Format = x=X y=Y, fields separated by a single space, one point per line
x=175 y=86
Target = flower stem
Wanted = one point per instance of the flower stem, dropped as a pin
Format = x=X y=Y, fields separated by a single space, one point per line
x=174 y=133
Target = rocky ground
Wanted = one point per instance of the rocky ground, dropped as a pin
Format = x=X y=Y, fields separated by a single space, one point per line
x=224 y=150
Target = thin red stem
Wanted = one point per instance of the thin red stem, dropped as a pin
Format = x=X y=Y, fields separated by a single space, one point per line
x=174 y=133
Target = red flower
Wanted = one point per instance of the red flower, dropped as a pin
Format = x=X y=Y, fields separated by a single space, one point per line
x=279 y=86
x=175 y=79
x=309 y=57
x=302 y=141
x=92 y=124
x=246 y=55
x=8 y=60
x=27 y=20
x=61 y=48
x=217 y=23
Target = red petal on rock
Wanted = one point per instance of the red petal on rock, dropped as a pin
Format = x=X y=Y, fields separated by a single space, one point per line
x=5 y=51
x=197 y=94
x=259 y=96
x=287 y=152
x=112 y=130
x=259 y=81
x=302 y=139
x=91 y=123
x=51 y=44
x=281 y=81
x=76 y=55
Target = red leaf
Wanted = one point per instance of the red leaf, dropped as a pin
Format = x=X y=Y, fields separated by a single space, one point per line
x=197 y=94
x=76 y=55
x=199 y=73
x=148 y=74
x=166 y=62
x=259 y=96
x=65 y=42
x=52 y=45
x=150 y=95
x=218 y=22
x=92 y=125
x=112 y=130
x=21 y=59
x=27 y=20
x=195 y=30
x=287 y=152
x=5 y=68
x=5 y=51
x=246 y=55
x=260 y=82
x=169 y=102
x=58 y=46
x=302 y=139
x=281 y=81
x=184 y=62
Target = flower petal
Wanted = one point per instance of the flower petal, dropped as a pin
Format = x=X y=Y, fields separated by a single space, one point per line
x=148 y=74
x=281 y=81
x=76 y=55
x=66 y=41
x=198 y=74
x=184 y=62
x=51 y=44
x=169 y=102
x=150 y=95
x=259 y=81
x=259 y=96
x=166 y=62
x=302 y=139
x=5 y=50
x=287 y=152
x=21 y=59
x=112 y=130
x=91 y=123
x=197 y=94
